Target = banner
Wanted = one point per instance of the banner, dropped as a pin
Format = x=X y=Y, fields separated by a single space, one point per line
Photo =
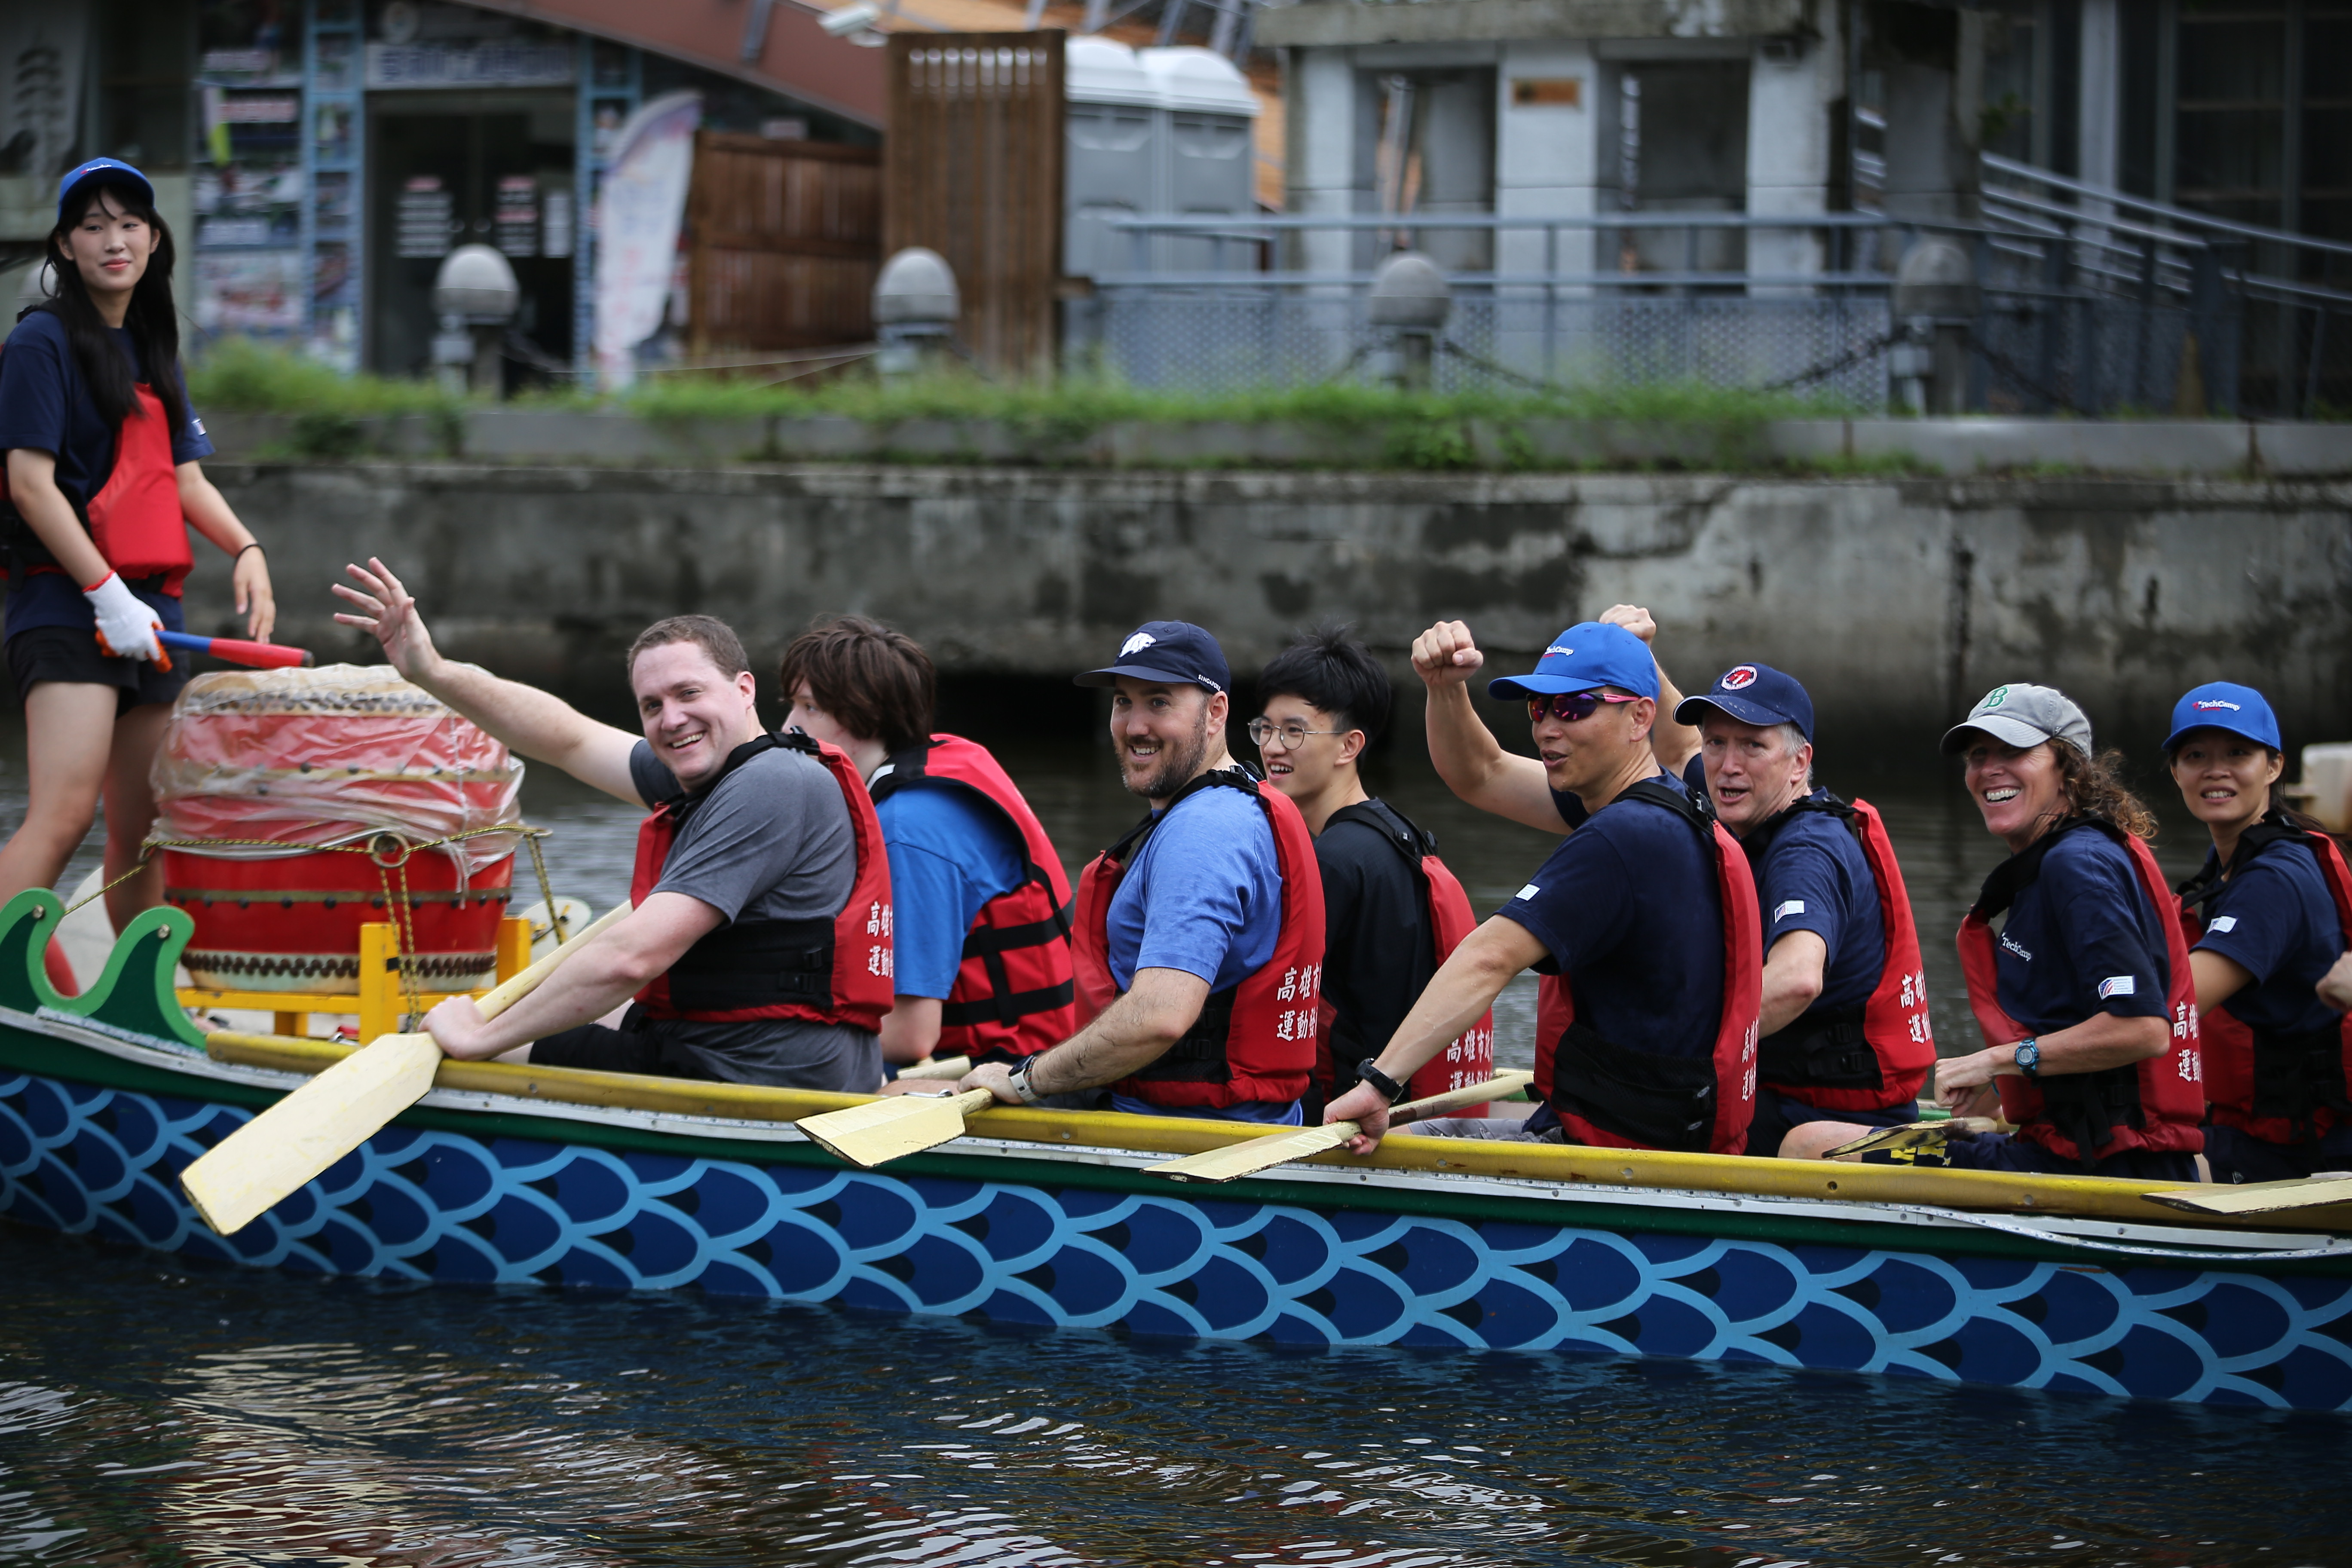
x=41 y=74
x=638 y=211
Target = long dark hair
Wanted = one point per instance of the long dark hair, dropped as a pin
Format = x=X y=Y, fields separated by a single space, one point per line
x=152 y=322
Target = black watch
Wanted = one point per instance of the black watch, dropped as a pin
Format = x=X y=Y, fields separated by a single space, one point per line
x=1369 y=1070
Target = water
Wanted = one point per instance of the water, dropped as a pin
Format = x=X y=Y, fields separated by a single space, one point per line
x=155 y=1412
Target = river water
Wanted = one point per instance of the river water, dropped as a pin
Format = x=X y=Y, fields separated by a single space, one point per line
x=155 y=1412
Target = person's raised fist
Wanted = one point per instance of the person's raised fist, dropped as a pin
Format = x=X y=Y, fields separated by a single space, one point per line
x=1633 y=618
x=1445 y=654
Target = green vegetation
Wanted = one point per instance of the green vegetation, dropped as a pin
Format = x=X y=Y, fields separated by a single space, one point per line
x=331 y=411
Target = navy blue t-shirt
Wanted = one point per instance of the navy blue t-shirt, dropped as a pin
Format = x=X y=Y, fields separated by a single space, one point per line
x=1812 y=876
x=1572 y=810
x=2082 y=938
x=45 y=405
x=2273 y=918
x=1628 y=907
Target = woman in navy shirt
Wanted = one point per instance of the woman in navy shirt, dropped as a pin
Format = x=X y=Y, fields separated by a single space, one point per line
x=2267 y=923
x=102 y=451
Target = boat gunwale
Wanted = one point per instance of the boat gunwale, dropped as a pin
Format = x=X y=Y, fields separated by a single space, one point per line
x=1456 y=1193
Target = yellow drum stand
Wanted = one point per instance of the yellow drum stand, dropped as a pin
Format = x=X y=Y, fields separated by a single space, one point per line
x=381 y=999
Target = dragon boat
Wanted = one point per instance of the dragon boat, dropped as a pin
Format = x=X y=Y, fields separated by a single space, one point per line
x=507 y=1175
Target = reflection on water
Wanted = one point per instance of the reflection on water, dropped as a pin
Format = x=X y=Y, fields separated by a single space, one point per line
x=150 y=1411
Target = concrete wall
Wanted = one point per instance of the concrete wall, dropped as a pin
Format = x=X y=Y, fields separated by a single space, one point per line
x=1896 y=601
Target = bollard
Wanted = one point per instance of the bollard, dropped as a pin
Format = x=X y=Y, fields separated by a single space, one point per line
x=915 y=304
x=1936 y=295
x=1409 y=302
x=476 y=296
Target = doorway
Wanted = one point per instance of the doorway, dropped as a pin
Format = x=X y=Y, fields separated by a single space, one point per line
x=449 y=169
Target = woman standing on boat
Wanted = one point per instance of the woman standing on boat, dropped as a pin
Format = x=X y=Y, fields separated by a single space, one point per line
x=2267 y=914
x=102 y=484
x=2083 y=995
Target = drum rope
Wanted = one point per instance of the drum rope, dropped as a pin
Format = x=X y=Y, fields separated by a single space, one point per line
x=547 y=893
x=147 y=851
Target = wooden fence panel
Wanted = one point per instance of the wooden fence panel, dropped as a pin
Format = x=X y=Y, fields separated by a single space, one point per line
x=972 y=169
x=784 y=238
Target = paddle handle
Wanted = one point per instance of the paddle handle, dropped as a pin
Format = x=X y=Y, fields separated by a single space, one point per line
x=235 y=651
x=937 y=1068
x=508 y=992
x=1494 y=1088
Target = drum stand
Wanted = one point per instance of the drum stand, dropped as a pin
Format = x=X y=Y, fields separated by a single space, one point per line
x=381 y=999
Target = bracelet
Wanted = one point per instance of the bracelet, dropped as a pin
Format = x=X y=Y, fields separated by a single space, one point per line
x=243 y=548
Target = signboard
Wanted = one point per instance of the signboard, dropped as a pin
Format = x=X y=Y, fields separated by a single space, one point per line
x=638 y=212
x=480 y=62
x=426 y=219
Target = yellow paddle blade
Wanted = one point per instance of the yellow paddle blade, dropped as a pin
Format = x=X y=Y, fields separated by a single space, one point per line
x=883 y=1129
x=1254 y=1154
x=1916 y=1135
x=2260 y=1197
x=322 y=1121
x=948 y=1067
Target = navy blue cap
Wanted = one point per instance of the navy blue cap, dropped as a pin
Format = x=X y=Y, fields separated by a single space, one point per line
x=2221 y=705
x=101 y=169
x=1753 y=694
x=1587 y=655
x=1167 y=650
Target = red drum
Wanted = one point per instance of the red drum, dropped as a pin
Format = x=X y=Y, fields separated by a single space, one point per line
x=294 y=804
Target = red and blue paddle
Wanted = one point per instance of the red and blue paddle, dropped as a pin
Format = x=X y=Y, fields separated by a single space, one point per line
x=259 y=655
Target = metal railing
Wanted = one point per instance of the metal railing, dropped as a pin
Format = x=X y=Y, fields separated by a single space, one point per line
x=2082 y=314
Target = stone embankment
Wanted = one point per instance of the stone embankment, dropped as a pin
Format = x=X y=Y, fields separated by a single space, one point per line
x=1897 y=599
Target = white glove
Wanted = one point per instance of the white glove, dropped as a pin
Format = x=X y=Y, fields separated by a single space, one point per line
x=126 y=627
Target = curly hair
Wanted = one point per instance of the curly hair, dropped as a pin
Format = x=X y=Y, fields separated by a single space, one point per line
x=2095 y=787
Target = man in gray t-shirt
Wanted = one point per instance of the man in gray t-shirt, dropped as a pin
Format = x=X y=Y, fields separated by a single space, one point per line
x=767 y=838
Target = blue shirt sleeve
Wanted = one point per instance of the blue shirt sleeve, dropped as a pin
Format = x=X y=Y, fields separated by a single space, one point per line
x=2101 y=923
x=33 y=385
x=1801 y=887
x=2257 y=920
x=949 y=855
x=1213 y=891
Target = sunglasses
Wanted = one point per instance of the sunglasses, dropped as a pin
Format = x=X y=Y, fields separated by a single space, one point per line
x=1570 y=707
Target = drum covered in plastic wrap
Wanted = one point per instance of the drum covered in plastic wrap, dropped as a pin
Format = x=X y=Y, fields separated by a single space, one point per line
x=295 y=805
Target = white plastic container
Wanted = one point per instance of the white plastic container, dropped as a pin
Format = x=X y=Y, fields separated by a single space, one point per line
x=2328 y=774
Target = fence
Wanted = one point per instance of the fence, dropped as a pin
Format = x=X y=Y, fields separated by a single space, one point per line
x=2080 y=316
x=784 y=238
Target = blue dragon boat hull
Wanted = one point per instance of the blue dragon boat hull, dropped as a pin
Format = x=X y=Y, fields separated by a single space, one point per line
x=105 y=1099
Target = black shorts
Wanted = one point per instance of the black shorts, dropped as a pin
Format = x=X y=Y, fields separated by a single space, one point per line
x=2007 y=1151
x=1777 y=1114
x=70 y=654
x=601 y=1049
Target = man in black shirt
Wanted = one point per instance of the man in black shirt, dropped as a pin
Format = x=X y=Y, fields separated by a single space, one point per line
x=1325 y=699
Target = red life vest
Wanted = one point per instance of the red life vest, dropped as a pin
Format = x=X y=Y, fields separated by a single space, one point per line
x=1013 y=994
x=1253 y=1041
x=835 y=970
x=135 y=519
x=2283 y=1090
x=1614 y=1097
x=2155 y=1104
x=1445 y=910
x=1877 y=1054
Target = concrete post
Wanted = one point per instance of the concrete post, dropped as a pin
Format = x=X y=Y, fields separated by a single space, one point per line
x=1456 y=137
x=1794 y=85
x=1555 y=152
x=1934 y=62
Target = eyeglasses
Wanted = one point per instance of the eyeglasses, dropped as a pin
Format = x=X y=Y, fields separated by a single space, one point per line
x=1571 y=707
x=1265 y=732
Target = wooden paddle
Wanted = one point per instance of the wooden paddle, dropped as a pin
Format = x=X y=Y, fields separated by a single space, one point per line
x=882 y=1129
x=1255 y=1155
x=1915 y=1134
x=271 y=1156
x=2260 y=1197
x=949 y=1067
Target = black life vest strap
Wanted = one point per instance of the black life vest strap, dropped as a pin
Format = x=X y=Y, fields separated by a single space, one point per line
x=2086 y=1107
x=1821 y=1050
x=1239 y=776
x=1663 y=1102
x=684 y=806
x=2023 y=869
x=756 y=964
x=2271 y=830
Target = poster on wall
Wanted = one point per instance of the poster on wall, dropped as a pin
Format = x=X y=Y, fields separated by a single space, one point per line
x=638 y=211
x=41 y=51
x=250 y=292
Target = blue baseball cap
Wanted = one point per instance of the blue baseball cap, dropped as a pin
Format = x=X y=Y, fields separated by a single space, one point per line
x=1175 y=651
x=1587 y=655
x=120 y=172
x=2221 y=705
x=1752 y=694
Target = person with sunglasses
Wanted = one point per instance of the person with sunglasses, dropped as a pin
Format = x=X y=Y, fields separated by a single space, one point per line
x=1845 y=994
x=1391 y=910
x=2266 y=918
x=1648 y=911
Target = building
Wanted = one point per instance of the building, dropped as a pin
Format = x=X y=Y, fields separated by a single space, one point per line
x=317 y=158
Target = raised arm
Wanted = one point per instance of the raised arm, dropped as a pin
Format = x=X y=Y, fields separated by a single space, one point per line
x=1672 y=744
x=543 y=728
x=1467 y=756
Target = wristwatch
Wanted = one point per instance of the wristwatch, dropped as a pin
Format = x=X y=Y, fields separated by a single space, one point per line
x=1369 y=1070
x=1022 y=1087
x=2027 y=1056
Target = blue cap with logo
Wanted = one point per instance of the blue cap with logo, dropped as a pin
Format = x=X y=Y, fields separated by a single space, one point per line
x=1175 y=651
x=1587 y=655
x=2222 y=705
x=1752 y=694
x=111 y=171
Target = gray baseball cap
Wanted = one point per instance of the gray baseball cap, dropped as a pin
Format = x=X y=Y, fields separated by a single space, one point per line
x=2022 y=716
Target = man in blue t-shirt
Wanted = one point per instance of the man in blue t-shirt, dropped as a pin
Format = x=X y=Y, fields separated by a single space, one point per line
x=1628 y=907
x=956 y=829
x=1197 y=909
x=1824 y=933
